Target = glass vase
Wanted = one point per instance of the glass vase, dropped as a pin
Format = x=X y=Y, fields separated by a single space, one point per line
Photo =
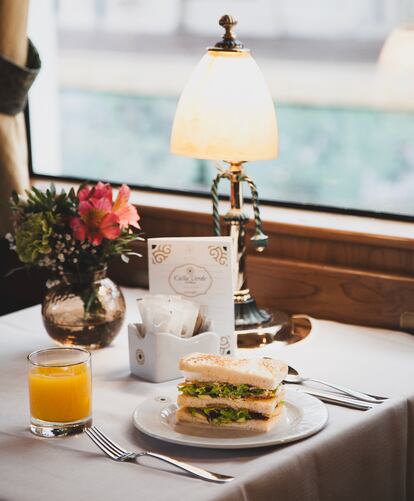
x=84 y=309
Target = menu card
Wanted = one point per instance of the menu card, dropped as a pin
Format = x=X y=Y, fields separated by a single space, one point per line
x=200 y=269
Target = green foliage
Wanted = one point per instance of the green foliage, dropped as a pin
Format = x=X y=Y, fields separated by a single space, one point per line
x=219 y=415
x=33 y=237
x=48 y=201
x=224 y=390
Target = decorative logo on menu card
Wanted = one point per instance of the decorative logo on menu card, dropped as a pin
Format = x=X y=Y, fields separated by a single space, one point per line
x=219 y=254
x=160 y=253
x=190 y=280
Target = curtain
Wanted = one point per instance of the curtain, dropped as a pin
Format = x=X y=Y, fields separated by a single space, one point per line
x=19 y=64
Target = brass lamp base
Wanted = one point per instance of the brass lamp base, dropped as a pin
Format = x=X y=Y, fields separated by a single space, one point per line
x=246 y=312
x=280 y=330
x=256 y=327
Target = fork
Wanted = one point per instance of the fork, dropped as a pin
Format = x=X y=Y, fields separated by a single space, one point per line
x=117 y=453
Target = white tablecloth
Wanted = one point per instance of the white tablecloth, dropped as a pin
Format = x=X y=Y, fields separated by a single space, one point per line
x=358 y=456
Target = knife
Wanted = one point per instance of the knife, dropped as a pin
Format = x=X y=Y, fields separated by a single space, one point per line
x=330 y=398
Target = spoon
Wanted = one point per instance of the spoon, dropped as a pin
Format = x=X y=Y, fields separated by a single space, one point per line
x=294 y=377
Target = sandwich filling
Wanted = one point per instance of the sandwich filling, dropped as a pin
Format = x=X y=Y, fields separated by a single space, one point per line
x=224 y=390
x=219 y=415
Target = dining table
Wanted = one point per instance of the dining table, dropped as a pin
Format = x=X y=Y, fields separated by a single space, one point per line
x=359 y=455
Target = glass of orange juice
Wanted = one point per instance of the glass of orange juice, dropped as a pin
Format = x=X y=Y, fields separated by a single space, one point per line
x=60 y=390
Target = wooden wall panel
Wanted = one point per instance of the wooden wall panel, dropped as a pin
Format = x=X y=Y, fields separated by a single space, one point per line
x=342 y=294
x=341 y=253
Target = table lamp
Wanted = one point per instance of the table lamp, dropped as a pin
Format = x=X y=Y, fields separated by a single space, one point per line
x=226 y=113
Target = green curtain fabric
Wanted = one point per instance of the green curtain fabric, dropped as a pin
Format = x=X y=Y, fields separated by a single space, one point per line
x=19 y=65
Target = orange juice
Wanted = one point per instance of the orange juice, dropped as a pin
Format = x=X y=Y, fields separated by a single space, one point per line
x=60 y=394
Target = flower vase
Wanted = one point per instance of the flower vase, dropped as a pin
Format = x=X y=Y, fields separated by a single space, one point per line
x=84 y=309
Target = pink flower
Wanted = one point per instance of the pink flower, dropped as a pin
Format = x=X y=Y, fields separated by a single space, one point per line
x=99 y=197
x=127 y=213
x=99 y=218
x=78 y=228
x=101 y=190
x=95 y=225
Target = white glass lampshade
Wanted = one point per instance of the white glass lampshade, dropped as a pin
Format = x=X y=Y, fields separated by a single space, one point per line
x=225 y=111
x=398 y=50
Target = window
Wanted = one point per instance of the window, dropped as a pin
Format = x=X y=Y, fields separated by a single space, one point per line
x=113 y=70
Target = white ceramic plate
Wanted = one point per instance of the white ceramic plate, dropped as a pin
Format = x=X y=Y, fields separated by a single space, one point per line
x=302 y=416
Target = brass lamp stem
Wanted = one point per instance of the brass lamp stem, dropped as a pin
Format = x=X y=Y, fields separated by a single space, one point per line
x=246 y=311
x=237 y=220
x=254 y=326
x=247 y=314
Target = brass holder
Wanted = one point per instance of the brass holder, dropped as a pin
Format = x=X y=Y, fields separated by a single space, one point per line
x=295 y=329
x=254 y=326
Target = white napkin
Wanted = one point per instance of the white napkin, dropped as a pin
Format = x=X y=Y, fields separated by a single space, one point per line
x=167 y=313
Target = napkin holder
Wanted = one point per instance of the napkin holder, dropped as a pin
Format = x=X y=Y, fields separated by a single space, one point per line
x=155 y=357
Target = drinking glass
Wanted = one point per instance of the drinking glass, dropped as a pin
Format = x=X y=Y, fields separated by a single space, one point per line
x=60 y=390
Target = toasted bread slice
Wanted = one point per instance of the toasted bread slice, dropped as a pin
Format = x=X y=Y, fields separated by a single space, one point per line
x=264 y=406
x=264 y=373
x=260 y=425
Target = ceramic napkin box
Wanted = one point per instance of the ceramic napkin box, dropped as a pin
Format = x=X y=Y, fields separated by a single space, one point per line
x=155 y=357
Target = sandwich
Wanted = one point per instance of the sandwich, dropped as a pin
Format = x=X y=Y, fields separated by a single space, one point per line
x=232 y=393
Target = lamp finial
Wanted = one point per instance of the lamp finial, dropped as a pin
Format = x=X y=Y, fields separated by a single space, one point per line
x=229 y=41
